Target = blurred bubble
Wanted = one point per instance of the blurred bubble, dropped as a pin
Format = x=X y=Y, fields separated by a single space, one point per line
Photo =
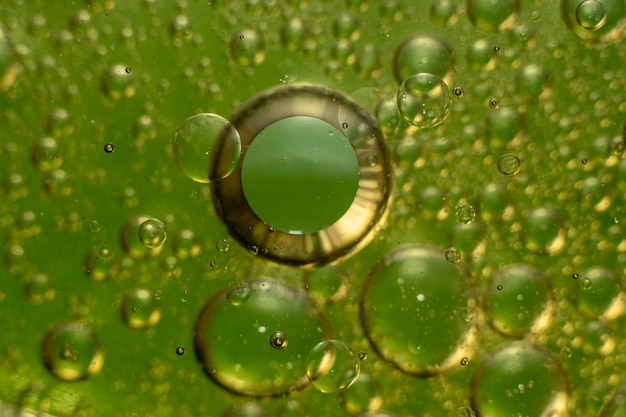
x=248 y=47
x=464 y=213
x=118 y=83
x=424 y=54
x=493 y=15
x=140 y=310
x=363 y=396
x=46 y=154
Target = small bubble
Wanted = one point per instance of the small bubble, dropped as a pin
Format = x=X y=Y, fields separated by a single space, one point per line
x=496 y=49
x=94 y=226
x=591 y=14
x=372 y=160
x=583 y=161
x=566 y=352
x=499 y=287
x=458 y=92
x=464 y=213
x=494 y=103
x=509 y=164
x=180 y=350
x=239 y=293
x=535 y=16
x=615 y=220
x=585 y=284
x=575 y=276
x=109 y=147
x=362 y=355
x=453 y=255
x=254 y=250
x=464 y=361
x=152 y=233
x=278 y=340
x=423 y=100
x=222 y=245
x=128 y=70
x=344 y=125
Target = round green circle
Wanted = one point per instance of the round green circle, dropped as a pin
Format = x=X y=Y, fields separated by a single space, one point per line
x=300 y=175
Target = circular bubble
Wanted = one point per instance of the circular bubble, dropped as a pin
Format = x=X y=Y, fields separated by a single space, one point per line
x=140 y=310
x=38 y=289
x=238 y=292
x=248 y=47
x=131 y=241
x=464 y=213
x=424 y=100
x=506 y=383
x=424 y=54
x=444 y=12
x=72 y=352
x=325 y=174
x=109 y=147
x=194 y=141
x=408 y=299
x=543 y=232
x=509 y=164
x=332 y=366
x=600 y=295
x=152 y=233
x=278 y=340
x=232 y=340
x=301 y=113
x=46 y=154
x=594 y=20
x=480 y=55
x=503 y=125
x=519 y=300
x=533 y=83
x=493 y=15
x=363 y=396
x=590 y=14
x=118 y=83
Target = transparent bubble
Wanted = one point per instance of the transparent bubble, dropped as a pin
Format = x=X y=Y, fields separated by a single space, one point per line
x=118 y=83
x=590 y=14
x=238 y=292
x=509 y=164
x=57 y=183
x=367 y=63
x=453 y=255
x=197 y=138
x=46 y=154
x=519 y=301
x=186 y=244
x=507 y=379
x=464 y=213
x=503 y=125
x=494 y=103
x=388 y=115
x=181 y=28
x=480 y=55
x=293 y=34
x=109 y=147
x=180 y=351
x=72 y=352
x=8 y=71
x=222 y=245
x=287 y=71
x=332 y=366
x=131 y=241
x=152 y=233
x=543 y=232
x=248 y=47
x=444 y=12
x=493 y=15
x=424 y=100
x=38 y=289
x=411 y=295
x=364 y=395
x=600 y=295
x=278 y=340
x=232 y=340
x=101 y=264
x=140 y=310
x=533 y=83
x=494 y=202
x=326 y=284
x=346 y=26
x=378 y=414
x=594 y=20
x=424 y=54
x=292 y=408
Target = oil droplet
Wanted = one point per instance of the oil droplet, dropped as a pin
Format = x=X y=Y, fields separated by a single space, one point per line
x=152 y=233
x=180 y=350
x=132 y=239
x=493 y=15
x=332 y=366
x=590 y=14
x=140 y=310
x=200 y=136
x=424 y=54
x=72 y=352
x=509 y=164
x=118 y=83
x=363 y=396
x=278 y=340
x=543 y=231
x=464 y=213
x=248 y=47
x=46 y=154
x=453 y=255
x=222 y=245
x=109 y=147
x=424 y=100
x=239 y=292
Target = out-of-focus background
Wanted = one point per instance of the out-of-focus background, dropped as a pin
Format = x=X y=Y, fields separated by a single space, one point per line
x=495 y=287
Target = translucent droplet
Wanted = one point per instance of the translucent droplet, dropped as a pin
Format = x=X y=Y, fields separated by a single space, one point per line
x=503 y=125
x=186 y=245
x=444 y=12
x=464 y=213
x=140 y=310
x=278 y=340
x=332 y=366
x=543 y=232
x=493 y=15
x=152 y=233
x=590 y=14
x=57 y=183
x=424 y=100
x=480 y=55
x=424 y=54
x=410 y=294
x=346 y=26
x=72 y=352
x=243 y=361
x=180 y=351
x=197 y=138
x=131 y=239
x=287 y=72
x=248 y=47
x=222 y=245
x=109 y=147
x=364 y=395
x=46 y=154
x=453 y=255
x=293 y=34
x=533 y=83
x=249 y=409
x=118 y=83
x=239 y=292
x=100 y=264
x=506 y=379
x=600 y=295
x=38 y=289
x=509 y=164
x=181 y=28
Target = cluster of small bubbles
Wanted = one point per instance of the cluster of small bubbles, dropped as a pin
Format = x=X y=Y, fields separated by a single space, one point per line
x=46 y=154
x=523 y=304
x=493 y=15
x=503 y=125
x=362 y=355
x=248 y=47
x=109 y=147
x=38 y=289
x=363 y=396
x=480 y=55
x=180 y=351
x=132 y=240
x=543 y=231
x=453 y=255
x=278 y=340
x=140 y=309
x=464 y=213
x=72 y=351
x=424 y=100
x=509 y=164
x=238 y=292
x=186 y=244
x=332 y=366
x=118 y=83
x=436 y=289
x=424 y=54
x=206 y=147
x=152 y=233
x=506 y=379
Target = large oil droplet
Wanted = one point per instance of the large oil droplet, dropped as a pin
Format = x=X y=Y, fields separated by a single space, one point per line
x=509 y=164
x=409 y=298
x=72 y=351
x=493 y=15
x=232 y=339
x=332 y=366
x=305 y=149
x=424 y=100
x=194 y=141
x=519 y=300
x=506 y=383
x=424 y=54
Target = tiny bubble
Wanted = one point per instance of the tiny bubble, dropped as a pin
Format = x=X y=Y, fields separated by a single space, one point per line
x=496 y=49
x=575 y=276
x=362 y=355
x=180 y=350
x=464 y=361
x=499 y=287
x=344 y=125
x=128 y=70
x=584 y=161
x=109 y=147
